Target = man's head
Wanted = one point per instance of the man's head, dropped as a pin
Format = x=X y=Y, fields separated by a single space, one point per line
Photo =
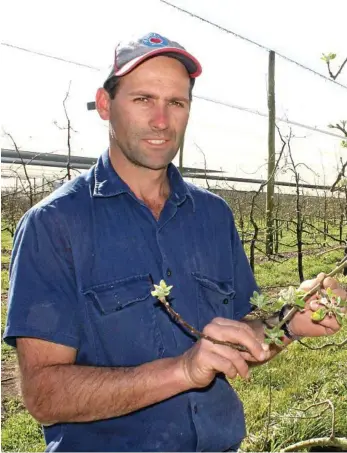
x=146 y=99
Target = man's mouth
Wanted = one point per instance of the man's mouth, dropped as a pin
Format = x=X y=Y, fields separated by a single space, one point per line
x=156 y=142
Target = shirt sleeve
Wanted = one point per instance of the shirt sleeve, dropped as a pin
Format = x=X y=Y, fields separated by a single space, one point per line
x=42 y=301
x=244 y=281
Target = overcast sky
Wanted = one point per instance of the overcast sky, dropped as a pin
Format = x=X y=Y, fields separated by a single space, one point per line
x=234 y=72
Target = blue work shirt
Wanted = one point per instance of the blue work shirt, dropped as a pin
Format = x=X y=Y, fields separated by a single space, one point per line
x=81 y=275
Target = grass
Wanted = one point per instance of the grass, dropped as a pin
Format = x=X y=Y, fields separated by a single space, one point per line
x=7 y=353
x=4 y=280
x=20 y=432
x=6 y=240
x=6 y=246
x=280 y=274
x=299 y=378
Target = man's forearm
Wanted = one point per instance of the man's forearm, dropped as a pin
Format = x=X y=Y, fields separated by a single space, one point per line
x=72 y=393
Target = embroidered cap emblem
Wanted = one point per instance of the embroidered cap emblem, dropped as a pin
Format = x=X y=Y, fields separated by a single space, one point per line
x=154 y=40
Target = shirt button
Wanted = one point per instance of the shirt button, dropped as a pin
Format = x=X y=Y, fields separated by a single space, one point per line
x=168 y=272
x=225 y=301
x=195 y=409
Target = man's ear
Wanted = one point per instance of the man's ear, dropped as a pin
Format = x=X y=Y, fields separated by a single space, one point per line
x=102 y=103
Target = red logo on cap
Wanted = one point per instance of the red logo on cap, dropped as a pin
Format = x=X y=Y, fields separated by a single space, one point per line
x=156 y=40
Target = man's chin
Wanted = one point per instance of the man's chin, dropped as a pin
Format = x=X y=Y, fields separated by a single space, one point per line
x=154 y=167
x=152 y=164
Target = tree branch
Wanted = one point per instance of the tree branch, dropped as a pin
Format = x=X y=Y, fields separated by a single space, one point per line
x=339 y=442
x=327 y=345
x=194 y=331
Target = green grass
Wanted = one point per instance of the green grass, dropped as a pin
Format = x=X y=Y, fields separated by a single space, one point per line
x=5 y=259
x=6 y=247
x=288 y=240
x=299 y=377
x=7 y=352
x=20 y=432
x=4 y=280
x=270 y=273
x=6 y=240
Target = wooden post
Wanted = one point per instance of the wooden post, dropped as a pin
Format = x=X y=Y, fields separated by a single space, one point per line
x=270 y=190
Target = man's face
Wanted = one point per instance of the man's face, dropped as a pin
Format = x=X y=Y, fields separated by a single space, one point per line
x=149 y=113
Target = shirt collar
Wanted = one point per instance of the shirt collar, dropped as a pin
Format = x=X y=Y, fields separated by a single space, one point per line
x=109 y=184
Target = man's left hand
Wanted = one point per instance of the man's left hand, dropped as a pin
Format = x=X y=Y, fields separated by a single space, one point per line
x=302 y=324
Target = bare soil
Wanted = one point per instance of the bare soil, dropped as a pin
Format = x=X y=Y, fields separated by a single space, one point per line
x=9 y=379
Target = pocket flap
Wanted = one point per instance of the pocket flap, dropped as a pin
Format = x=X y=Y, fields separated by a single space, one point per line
x=224 y=287
x=122 y=293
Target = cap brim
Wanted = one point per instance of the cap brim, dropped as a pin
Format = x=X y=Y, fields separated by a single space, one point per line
x=191 y=63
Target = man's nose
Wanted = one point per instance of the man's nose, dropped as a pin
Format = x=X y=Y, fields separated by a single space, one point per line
x=160 y=118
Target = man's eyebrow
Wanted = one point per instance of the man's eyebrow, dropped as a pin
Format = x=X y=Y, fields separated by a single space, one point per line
x=142 y=93
x=153 y=96
x=179 y=98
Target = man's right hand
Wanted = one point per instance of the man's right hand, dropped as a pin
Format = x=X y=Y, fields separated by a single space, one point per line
x=205 y=359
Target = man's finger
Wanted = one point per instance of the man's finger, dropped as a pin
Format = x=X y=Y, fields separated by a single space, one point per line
x=314 y=302
x=330 y=282
x=236 y=324
x=309 y=284
x=230 y=368
x=237 y=335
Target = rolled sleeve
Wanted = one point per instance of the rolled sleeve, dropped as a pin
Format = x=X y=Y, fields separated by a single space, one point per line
x=42 y=295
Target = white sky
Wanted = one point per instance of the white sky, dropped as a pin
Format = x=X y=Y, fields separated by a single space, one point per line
x=33 y=87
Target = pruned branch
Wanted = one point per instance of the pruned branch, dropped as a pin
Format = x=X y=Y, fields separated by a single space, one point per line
x=205 y=165
x=68 y=164
x=331 y=441
x=178 y=318
x=69 y=129
x=335 y=76
x=31 y=194
x=326 y=345
x=338 y=442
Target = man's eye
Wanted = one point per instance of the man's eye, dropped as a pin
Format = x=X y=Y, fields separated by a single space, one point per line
x=177 y=103
x=141 y=99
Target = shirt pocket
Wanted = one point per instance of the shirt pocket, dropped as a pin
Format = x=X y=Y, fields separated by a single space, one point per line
x=215 y=298
x=123 y=318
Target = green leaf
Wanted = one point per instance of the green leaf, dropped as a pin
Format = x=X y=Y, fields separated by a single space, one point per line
x=273 y=335
x=161 y=290
x=276 y=306
x=299 y=302
x=259 y=300
x=330 y=56
x=330 y=293
x=319 y=315
x=287 y=296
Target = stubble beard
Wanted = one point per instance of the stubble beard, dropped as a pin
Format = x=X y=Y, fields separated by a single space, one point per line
x=133 y=153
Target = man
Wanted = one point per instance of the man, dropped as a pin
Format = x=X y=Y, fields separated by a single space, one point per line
x=103 y=366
